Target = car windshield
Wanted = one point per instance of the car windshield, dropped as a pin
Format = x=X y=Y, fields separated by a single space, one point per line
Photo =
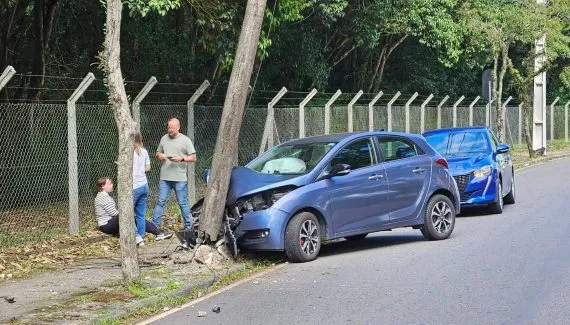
x=292 y=159
x=458 y=143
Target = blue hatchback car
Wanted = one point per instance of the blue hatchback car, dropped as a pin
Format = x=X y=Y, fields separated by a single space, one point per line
x=481 y=166
x=305 y=191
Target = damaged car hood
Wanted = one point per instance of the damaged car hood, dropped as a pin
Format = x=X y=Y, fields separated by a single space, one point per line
x=245 y=181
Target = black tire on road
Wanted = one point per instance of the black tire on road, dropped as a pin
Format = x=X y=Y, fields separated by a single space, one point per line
x=439 y=219
x=511 y=197
x=356 y=237
x=497 y=207
x=303 y=238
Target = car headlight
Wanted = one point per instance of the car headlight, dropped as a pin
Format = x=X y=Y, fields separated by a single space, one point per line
x=483 y=172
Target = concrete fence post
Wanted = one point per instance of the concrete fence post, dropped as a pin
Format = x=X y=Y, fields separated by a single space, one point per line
x=488 y=113
x=455 y=110
x=423 y=113
x=371 y=110
x=389 y=110
x=190 y=133
x=302 y=112
x=566 y=121
x=328 y=111
x=471 y=109
x=520 y=122
x=350 y=111
x=72 y=164
x=140 y=97
x=407 y=112
x=552 y=118
x=5 y=77
x=439 y=111
x=267 y=140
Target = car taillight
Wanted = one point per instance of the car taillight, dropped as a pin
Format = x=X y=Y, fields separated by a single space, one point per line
x=442 y=162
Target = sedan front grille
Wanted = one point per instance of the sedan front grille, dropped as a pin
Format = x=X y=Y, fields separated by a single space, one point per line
x=462 y=181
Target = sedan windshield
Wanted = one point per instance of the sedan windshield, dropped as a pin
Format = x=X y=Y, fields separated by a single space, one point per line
x=458 y=144
x=292 y=159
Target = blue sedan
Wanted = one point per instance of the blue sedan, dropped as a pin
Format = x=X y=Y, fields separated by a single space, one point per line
x=481 y=166
x=305 y=191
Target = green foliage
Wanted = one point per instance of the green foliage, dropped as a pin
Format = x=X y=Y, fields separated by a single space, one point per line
x=143 y=7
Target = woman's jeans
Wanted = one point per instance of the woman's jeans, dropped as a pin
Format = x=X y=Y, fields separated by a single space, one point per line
x=140 y=196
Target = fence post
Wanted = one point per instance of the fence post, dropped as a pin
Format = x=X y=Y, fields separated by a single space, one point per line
x=471 y=109
x=328 y=111
x=389 y=110
x=350 y=112
x=552 y=118
x=455 y=110
x=302 y=112
x=267 y=138
x=407 y=108
x=423 y=113
x=488 y=113
x=566 y=121
x=73 y=174
x=190 y=133
x=6 y=76
x=520 y=121
x=140 y=97
x=371 y=110
x=439 y=111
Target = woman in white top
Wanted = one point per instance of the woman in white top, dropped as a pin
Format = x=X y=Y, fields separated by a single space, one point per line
x=141 y=165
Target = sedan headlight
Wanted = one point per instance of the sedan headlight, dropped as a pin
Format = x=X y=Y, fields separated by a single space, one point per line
x=483 y=172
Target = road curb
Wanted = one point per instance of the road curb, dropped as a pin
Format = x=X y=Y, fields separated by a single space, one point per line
x=205 y=283
x=212 y=294
x=545 y=160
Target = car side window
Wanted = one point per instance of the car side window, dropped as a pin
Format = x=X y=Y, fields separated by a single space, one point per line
x=397 y=148
x=494 y=141
x=358 y=154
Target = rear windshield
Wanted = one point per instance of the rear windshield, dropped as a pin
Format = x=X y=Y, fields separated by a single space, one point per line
x=459 y=143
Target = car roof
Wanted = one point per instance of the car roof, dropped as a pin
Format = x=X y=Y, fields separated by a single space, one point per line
x=456 y=129
x=338 y=137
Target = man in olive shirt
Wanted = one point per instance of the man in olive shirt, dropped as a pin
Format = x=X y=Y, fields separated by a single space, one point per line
x=175 y=151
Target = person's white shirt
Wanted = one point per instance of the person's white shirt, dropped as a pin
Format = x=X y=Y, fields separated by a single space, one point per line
x=140 y=162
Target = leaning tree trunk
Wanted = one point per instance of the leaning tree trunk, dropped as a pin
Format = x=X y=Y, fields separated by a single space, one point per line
x=227 y=141
x=126 y=128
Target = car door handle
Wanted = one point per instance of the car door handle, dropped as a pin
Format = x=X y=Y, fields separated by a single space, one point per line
x=373 y=177
x=418 y=170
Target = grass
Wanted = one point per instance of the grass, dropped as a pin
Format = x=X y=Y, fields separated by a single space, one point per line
x=142 y=290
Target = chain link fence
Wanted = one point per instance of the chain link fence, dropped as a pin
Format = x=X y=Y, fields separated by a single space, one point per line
x=34 y=159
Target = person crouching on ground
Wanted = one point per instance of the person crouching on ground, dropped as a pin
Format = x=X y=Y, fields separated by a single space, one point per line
x=107 y=214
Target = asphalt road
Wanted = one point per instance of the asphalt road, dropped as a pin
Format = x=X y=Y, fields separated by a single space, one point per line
x=512 y=268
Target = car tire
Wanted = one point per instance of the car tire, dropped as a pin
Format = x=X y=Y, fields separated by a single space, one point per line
x=439 y=219
x=511 y=198
x=497 y=207
x=356 y=237
x=303 y=238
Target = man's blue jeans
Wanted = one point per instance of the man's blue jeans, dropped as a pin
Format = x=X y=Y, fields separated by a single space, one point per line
x=140 y=196
x=181 y=190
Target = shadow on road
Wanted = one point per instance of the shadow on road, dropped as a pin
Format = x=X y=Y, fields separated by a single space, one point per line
x=377 y=240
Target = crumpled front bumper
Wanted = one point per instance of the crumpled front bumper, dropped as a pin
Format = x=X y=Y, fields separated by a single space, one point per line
x=262 y=230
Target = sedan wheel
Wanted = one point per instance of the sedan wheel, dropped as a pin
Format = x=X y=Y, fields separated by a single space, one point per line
x=439 y=218
x=303 y=238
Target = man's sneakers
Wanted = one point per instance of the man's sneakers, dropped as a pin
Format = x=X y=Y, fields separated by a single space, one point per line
x=140 y=241
x=162 y=236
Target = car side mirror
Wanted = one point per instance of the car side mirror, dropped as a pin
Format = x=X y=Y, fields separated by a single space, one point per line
x=339 y=170
x=503 y=148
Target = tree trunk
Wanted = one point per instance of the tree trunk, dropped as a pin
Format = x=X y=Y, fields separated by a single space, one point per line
x=126 y=128
x=43 y=25
x=227 y=141
x=501 y=111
